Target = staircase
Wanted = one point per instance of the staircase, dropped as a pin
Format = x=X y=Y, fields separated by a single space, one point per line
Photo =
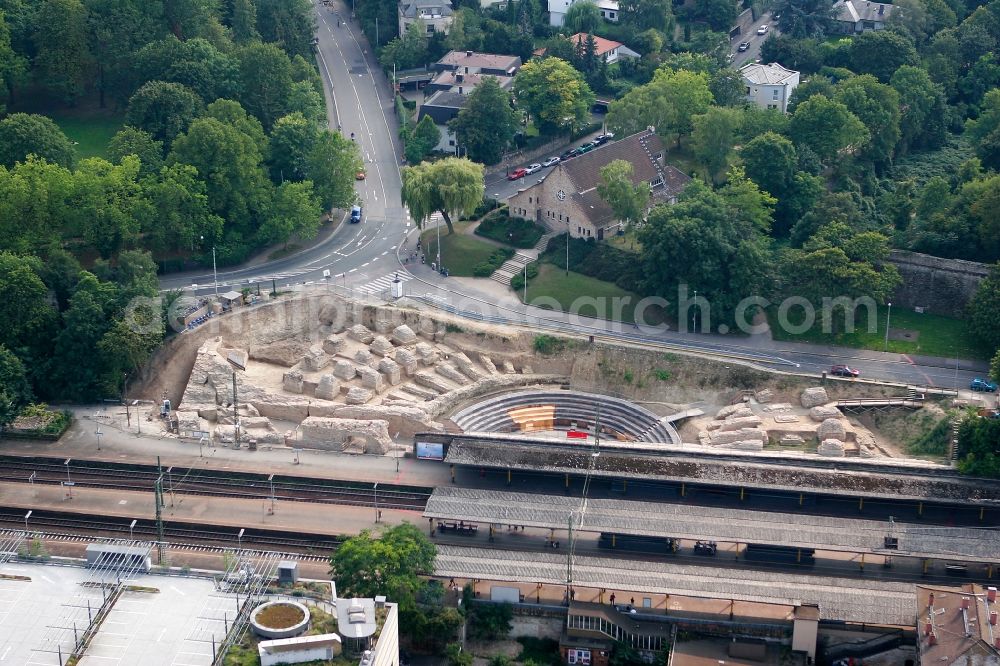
x=522 y=258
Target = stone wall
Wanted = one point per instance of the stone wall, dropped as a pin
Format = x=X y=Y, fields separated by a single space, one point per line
x=940 y=286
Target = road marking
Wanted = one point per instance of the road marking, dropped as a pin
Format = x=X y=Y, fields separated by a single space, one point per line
x=352 y=270
x=365 y=264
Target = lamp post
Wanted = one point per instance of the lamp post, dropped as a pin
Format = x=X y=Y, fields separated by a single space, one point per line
x=693 y=320
x=376 y=501
x=888 y=313
x=26 y=516
x=131 y=528
x=567 y=245
x=526 y=284
x=98 y=433
x=239 y=538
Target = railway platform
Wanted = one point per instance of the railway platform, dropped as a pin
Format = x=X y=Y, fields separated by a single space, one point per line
x=229 y=514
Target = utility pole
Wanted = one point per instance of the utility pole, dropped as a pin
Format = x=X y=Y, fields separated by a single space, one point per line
x=158 y=491
x=236 y=416
x=888 y=313
x=569 y=558
x=215 y=274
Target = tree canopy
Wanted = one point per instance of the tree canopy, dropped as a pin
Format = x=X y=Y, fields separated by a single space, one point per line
x=453 y=187
x=554 y=93
x=486 y=126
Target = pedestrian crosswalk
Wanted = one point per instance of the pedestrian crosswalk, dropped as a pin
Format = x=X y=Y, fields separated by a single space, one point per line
x=381 y=284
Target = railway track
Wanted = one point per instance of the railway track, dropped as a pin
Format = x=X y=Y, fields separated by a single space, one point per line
x=192 y=481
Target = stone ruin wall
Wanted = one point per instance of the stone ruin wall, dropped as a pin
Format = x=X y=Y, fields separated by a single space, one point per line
x=940 y=286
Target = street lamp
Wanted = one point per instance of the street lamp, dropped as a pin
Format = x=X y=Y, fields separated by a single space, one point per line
x=215 y=272
x=526 y=284
x=567 y=245
x=98 y=433
x=693 y=320
x=131 y=529
x=26 y=516
x=69 y=481
x=376 y=501
x=239 y=538
x=888 y=312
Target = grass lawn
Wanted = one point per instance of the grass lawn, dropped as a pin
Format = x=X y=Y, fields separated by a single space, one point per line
x=460 y=252
x=937 y=335
x=553 y=283
x=90 y=132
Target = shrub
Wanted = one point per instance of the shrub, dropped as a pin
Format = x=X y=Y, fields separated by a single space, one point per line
x=516 y=231
x=546 y=345
x=661 y=374
x=486 y=268
x=517 y=280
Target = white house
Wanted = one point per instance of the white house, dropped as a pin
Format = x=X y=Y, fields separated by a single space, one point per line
x=605 y=48
x=854 y=16
x=436 y=15
x=769 y=86
x=558 y=8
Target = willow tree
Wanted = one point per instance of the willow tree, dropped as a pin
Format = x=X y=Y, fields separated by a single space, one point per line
x=453 y=187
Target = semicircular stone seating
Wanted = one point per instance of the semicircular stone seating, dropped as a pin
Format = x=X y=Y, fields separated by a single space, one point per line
x=527 y=411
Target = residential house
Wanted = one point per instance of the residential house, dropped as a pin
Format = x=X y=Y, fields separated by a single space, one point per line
x=608 y=48
x=435 y=14
x=566 y=197
x=462 y=71
x=442 y=106
x=769 y=86
x=558 y=8
x=855 y=16
x=958 y=626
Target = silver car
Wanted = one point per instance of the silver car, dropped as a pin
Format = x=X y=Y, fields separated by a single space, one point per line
x=532 y=168
x=550 y=162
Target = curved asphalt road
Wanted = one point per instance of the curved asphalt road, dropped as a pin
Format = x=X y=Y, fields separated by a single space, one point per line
x=359 y=101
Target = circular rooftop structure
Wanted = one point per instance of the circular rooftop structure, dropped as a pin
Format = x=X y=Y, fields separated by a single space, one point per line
x=279 y=619
x=542 y=411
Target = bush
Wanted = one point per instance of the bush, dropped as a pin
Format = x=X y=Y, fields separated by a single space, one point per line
x=597 y=260
x=517 y=280
x=484 y=207
x=489 y=621
x=516 y=231
x=546 y=345
x=488 y=267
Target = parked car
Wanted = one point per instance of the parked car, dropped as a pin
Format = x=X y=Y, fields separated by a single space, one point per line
x=355 y=214
x=517 y=173
x=744 y=46
x=552 y=161
x=532 y=168
x=762 y=30
x=568 y=154
x=985 y=385
x=585 y=148
x=705 y=547
x=601 y=140
x=844 y=371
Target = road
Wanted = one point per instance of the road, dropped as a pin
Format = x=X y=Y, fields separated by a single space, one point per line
x=363 y=257
x=756 y=41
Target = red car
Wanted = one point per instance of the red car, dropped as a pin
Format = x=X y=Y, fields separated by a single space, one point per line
x=517 y=173
x=844 y=371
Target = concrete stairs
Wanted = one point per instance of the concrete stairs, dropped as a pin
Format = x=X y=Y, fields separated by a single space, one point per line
x=521 y=258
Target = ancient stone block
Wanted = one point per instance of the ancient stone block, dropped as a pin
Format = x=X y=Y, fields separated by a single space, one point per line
x=791 y=439
x=328 y=388
x=831 y=429
x=814 y=396
x=466 y=366
x=719 y=437
x=371 y=379
x=746 y=445
x=344 y=370
x=407 y=360
x=358 y=396
x=363 y=357
x=764 y=395
x=821 y=413
x=360 y=333
x=404 y=335
x=314 y=360
x=428 y=380
x=338 y=434
x=333 y=345
x=292 y=381
x=527 y=370
x=380 y=346
x=448 y=371
x=487 y=363
x=508 y=368
x=427 y=354
x=738 y=411
x=391 y=371
x=832 y=448
x=740 y=422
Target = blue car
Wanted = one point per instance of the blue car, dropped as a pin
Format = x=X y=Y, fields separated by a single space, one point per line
x=986 y=385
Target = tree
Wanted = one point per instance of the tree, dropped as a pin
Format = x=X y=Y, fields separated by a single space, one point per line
x=195 y=63
x=801 y=54
x=554 y=93
x=266 y=81
x=23 y=134
x=984 y=311
x=804 y=18
x=922 y=106
x=303 y=98
x=288 y=23
x=583 y=16
x=331 y=166
x=179 y=213
x=62 y=61
x=422 y=140
x=162 y=109
x=770 y=160
x=718 y=14
x=877 y=106
x=457 y=656
x=15 y=391
x=292 y=140
x=826 y=127
x=25 y=309
x=995 y=365
x=106 y=197
x=33 y=204
x=487 y=124
x=243 y=21
x=982 y=130
x=408 y=50
x=713 y=137
x=229 y=160
x=133 y=141
x=116 y=29
x=977 y=446
x=76 y=370
x=130 y=342
x=294 y=210
x=490 y=622
x=881 y=53
x=644 y=15
x=619 y=190
x=12 y=64
x=185 y=17
x=669 y=103
x=452 y=186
